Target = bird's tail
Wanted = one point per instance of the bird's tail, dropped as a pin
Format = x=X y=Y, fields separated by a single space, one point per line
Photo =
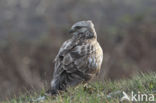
x=58 y=84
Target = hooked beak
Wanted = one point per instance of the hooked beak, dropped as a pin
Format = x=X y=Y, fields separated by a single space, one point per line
x=71 y=31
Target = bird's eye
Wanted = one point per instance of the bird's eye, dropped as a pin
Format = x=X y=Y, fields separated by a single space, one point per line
x=78 y=27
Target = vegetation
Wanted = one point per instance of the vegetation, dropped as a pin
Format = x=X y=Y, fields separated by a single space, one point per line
x=32 y=31
x=97 y=92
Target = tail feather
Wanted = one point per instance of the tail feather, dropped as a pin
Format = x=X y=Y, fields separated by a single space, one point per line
x=58 y=83
x=62 y=81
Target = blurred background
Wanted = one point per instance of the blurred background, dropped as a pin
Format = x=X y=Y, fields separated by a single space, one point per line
x=32 y=31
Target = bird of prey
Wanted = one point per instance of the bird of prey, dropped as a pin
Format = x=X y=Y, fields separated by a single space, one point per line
x=79 y=58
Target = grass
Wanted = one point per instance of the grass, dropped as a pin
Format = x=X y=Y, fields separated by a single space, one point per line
x=98 y=92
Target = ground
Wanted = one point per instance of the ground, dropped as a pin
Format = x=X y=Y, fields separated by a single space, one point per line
x=99 y=92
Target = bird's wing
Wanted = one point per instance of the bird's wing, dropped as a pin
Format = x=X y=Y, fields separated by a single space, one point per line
x=65 y=48
x=73 y=57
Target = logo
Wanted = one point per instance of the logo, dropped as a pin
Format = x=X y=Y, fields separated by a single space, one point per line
x=137 y=97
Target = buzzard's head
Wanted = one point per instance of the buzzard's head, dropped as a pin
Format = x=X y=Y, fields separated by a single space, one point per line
x=83 y=29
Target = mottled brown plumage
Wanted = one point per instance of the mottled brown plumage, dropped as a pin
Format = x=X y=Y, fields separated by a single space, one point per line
x=79 y=58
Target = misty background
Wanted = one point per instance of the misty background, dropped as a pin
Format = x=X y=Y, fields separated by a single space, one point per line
x=32 y=31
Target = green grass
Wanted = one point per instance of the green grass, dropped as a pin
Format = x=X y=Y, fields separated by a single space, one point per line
x=98 y=92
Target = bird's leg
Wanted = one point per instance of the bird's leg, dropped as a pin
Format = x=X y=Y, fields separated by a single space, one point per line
x=88 y=87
